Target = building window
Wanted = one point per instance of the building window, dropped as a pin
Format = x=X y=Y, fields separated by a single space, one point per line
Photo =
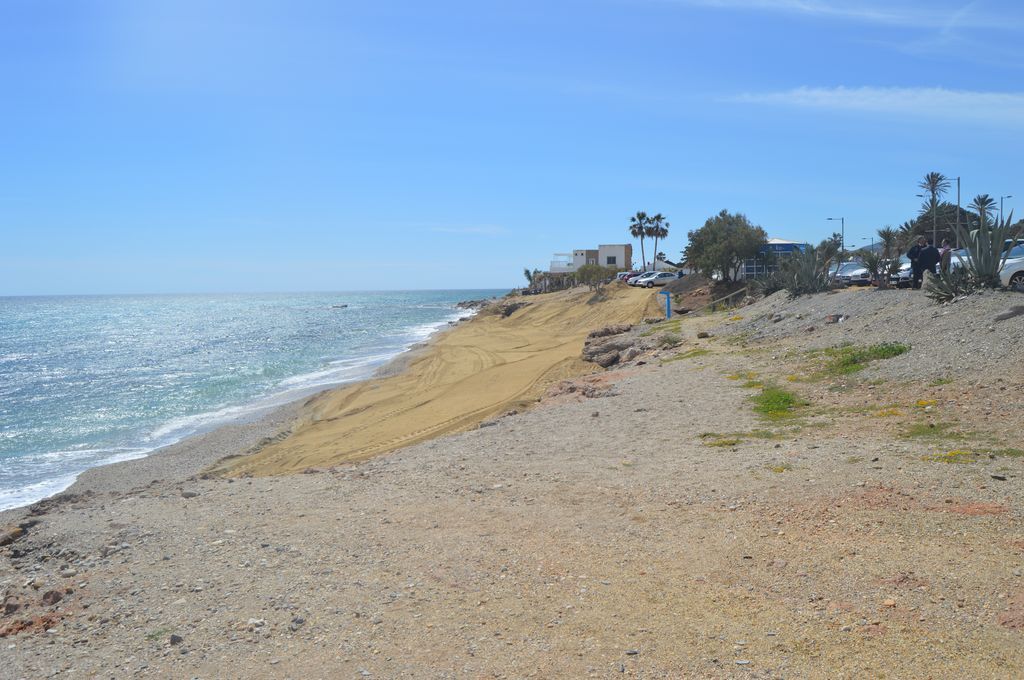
x=610 y=260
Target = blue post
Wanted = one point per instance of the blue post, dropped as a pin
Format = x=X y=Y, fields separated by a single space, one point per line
x=668 y=303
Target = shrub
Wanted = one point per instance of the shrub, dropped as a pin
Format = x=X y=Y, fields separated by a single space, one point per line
x=805 y=273
x=667 y=340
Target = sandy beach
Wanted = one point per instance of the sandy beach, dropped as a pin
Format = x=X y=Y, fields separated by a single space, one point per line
x=641 y=521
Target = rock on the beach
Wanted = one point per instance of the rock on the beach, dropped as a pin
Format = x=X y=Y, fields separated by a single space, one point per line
x=52 y=597
x=12 y=603
x=606 y=359
x=614 y=329
x=10 y=535
x=630 y=354
x=189 y=493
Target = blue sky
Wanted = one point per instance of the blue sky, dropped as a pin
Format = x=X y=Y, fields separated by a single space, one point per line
x=252 y=145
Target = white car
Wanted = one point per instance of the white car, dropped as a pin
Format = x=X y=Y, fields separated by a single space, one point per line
x=904 y=276
x=655 y=279
x=854 y=274
x=633 y=279
x=1012 y=273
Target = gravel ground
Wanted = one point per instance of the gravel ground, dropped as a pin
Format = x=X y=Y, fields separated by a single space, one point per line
x=963 y=338
x=658 y=529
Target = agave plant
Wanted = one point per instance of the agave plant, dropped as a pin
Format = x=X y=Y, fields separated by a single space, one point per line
x=805 y=273
x=985 y=250
x=948 y=286
x=984 y=256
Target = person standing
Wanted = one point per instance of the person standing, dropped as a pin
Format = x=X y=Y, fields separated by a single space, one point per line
x=928 y=259
x=945 y=255
x=914 y=254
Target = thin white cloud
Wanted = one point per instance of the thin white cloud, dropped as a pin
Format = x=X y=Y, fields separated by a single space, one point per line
x=935 y=102
x=481 y=230
x=893 y=14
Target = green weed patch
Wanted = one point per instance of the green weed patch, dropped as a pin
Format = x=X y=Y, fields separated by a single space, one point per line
x=776 y=403
x=850 y=359
x=695 y=352
x=929 y=431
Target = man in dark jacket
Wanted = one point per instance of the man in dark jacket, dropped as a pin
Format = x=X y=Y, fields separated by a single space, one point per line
x=923 y=257
x=913 y=255
x=929 y=258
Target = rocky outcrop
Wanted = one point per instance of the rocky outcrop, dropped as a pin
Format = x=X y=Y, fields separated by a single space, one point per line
x=614 y=329
x=473 y=304
x=610 y=345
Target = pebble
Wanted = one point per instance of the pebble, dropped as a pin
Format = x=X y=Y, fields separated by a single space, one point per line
x=189 y=493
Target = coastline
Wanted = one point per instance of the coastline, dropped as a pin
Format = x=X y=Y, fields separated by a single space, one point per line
x=189 y=456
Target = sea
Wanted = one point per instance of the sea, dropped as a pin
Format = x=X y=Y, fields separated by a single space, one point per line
x=91 y=380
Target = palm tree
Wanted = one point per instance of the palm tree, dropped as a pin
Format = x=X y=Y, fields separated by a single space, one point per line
x=982 y=203
x=889 y=238
x=905 y=234
x=657 y=228
x=529 y=275
x=638 y=229
x=936 y=185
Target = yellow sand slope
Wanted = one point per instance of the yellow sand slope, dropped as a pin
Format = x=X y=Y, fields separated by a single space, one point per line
x=476 y=371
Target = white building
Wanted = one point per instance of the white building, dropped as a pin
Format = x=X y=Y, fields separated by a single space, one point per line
x=616 y=256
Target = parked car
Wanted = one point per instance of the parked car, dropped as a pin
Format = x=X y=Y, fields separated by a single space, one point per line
x=625 y=276
x=903 y=277
x=656 y=279
x=1012 y=273
x=853 y=274
x=633 y=279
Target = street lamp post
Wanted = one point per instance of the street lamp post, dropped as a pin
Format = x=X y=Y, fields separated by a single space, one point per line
x=1001 y=207
x=958 y=213
x=865 y=238
x=842 y=233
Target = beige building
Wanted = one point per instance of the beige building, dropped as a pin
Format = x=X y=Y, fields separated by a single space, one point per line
x=616 y=256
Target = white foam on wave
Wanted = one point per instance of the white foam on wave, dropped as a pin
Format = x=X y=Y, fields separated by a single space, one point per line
x=57 y=461
x=425 y=330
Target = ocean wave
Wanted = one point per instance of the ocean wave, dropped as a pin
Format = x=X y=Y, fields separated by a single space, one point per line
x=59 y=470
x=26 y=478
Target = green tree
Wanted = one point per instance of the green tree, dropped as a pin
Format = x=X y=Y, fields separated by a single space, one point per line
x=594 y=275
x=828 y=250
x=638 y=229
x=719 y=248
x=657 y=228
x=835 y=242
x=528 y=275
